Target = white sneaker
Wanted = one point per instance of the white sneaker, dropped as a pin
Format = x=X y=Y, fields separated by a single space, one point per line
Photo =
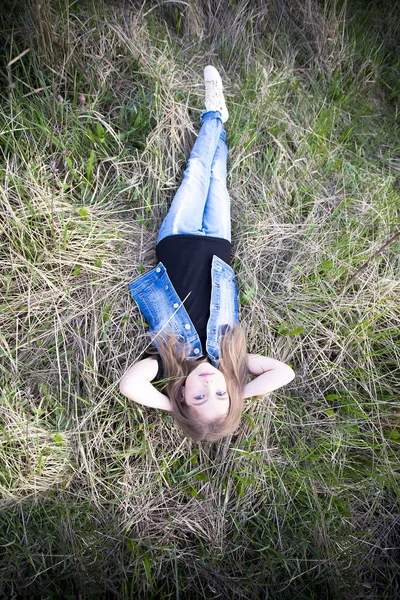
x=214 y=95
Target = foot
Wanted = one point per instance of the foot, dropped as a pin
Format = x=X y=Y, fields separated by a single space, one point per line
x=214 y=95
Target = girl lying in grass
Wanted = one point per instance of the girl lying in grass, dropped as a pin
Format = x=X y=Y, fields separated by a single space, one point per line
x=190 y=300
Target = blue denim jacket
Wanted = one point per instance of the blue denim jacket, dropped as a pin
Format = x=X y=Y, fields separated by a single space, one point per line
x=160 y=304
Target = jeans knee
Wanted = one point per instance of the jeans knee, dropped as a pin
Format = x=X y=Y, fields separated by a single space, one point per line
x=218 y=172
x=195 y=166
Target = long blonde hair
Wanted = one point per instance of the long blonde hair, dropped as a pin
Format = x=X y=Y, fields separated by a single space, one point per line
x=233 y=366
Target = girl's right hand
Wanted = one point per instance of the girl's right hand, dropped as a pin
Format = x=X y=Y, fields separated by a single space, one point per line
x=136 y=385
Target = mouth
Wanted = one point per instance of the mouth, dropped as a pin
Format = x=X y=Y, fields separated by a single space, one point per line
x=205 y=374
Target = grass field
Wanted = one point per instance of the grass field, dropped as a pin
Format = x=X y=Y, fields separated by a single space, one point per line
x=100 y=104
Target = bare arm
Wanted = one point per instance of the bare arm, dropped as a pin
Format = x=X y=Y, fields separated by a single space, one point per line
x=136 y=385
x=272 y=374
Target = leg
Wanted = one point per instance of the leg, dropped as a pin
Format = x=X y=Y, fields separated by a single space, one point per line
x=185 y=215
x=217 y=212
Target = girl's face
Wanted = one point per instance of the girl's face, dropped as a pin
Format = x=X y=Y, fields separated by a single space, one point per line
x=206 y=393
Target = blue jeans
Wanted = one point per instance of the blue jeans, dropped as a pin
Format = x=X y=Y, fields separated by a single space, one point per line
x=201 y=206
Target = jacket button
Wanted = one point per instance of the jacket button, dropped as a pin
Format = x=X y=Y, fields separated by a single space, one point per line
x=158 y=270
x=176 y=305
x=166 y=287
x=187 y=326
x=196 y=351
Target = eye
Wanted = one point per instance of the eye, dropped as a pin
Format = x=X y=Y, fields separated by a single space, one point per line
x=199 y=397
x=221 y=393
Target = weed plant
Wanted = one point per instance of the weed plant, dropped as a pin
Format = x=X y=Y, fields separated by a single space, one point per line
x=100 y=104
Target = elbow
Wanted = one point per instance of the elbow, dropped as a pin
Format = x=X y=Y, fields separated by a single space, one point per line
x=289 y=374
x=123 y=387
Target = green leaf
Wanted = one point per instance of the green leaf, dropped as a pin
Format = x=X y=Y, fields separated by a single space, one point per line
x=131 y=545
x=283 y=329
x=325 y=266
x=341 y=507
x=330 y=412
x=91 y=134
x=100 y=131
x=331 y=397
x=98 y=263
x=296 y=331
x=147 y=568
x=106 y=312
x=76 y=270
x=89 y=166
x=240 y=488
x=83 y=212
x=247 y=295
x=58 y=438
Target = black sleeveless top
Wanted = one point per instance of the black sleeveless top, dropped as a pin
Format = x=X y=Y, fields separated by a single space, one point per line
x=188 y=259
